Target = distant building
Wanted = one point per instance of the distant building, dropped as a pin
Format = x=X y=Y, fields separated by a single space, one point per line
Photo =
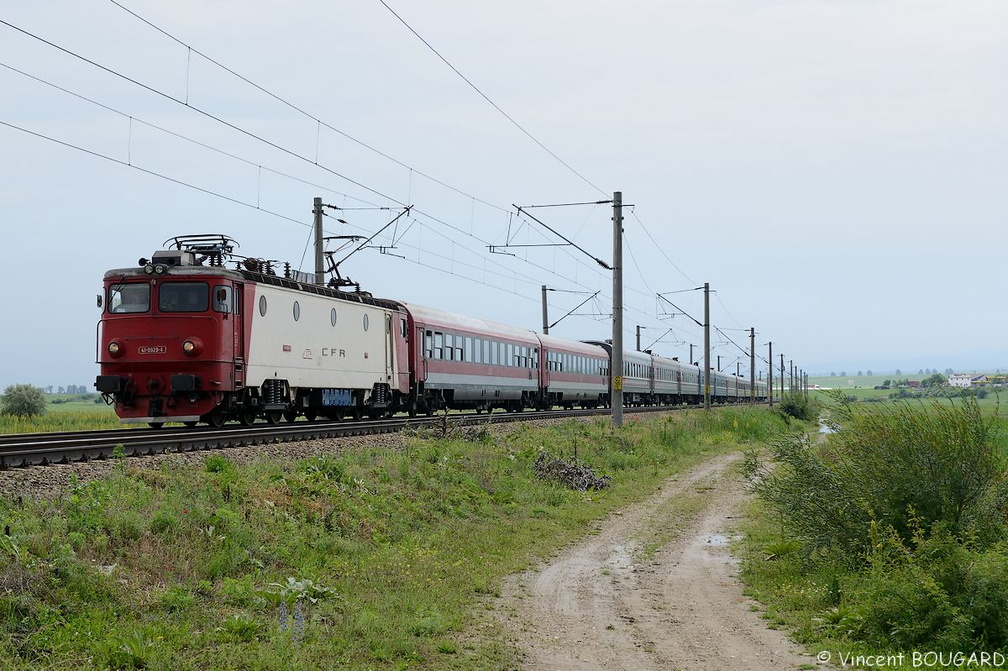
x=960 y=380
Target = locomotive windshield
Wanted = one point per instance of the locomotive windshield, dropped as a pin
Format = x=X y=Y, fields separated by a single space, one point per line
x=183 y=297
x=126 y=298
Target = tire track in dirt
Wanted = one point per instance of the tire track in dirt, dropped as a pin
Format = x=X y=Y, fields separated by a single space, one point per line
x=609 y=603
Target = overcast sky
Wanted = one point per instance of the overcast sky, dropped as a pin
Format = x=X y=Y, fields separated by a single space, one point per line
x=836 y=170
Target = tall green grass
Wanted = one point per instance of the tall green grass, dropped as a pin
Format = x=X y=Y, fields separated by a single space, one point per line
x=366 y=559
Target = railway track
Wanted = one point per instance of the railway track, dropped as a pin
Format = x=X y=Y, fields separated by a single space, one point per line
x=41 y=449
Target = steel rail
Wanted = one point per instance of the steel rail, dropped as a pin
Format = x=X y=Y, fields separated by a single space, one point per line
x=42 y=449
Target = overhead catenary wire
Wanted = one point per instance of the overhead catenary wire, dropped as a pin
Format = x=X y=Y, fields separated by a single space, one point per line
x=279 y=147
x=320 y=122
x=492 y=103
x=417 y=211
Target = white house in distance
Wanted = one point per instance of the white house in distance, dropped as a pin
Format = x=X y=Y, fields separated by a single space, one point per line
x=960 y=380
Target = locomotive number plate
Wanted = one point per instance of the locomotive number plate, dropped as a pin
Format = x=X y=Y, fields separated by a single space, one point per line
x=152 y=349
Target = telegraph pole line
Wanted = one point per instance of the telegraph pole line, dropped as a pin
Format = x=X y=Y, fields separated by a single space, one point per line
x=319 y=255
x=752 y=365
x=782 y=376
x=545 y=311
x=770 y=374
x=706 y=344
x=617 y=345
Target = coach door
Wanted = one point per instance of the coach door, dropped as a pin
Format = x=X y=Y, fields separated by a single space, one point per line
x=423 y=345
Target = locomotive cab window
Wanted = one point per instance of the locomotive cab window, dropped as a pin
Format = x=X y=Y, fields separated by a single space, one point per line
x=223 y=299
x=129 y=298
x=183 y=297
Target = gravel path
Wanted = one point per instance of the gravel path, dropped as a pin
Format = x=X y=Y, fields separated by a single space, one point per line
x=599 y=606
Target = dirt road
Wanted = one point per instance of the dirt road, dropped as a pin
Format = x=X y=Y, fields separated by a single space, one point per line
x=655 y=589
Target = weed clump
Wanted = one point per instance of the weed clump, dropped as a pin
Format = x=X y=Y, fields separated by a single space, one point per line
x=569 y=472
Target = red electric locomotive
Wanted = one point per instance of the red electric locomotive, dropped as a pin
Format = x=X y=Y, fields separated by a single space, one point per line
x=185 y=339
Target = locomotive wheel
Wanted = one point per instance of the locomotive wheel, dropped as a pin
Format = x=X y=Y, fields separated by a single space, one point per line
x=216 y=418
x=411 y=411
x=274 y=416
x=155 y=425
x=191 y=424
x=247 y=417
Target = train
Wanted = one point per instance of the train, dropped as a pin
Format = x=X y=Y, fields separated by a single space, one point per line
x=185 y=338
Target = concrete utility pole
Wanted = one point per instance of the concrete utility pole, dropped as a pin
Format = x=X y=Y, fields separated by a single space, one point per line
x=545 y=312
x=782 y=375
x=706 y=344
x=770 y=375
x=617 y=297
x=691 y=354
x=319 y=256
x=638 y=337
x=752 y=365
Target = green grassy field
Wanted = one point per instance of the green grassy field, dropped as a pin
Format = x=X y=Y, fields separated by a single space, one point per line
x=379 y=558
x=63 y=413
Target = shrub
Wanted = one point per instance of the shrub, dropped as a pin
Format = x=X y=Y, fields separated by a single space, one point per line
x=798 y=406
x=932 y=591
x=938 y=460
x=22 y=400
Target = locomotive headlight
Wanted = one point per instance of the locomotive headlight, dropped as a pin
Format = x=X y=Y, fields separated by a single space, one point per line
x=160 y=269
x=114 y=349
x=192 y=346
x=149 y=268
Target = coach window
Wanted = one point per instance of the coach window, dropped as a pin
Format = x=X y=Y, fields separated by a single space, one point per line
x=183 y=297
x=438 y=345
x=449 y=346
x=127 y=298
x=404 y=329
x=477 y=351
x=458 y=348
x=222 y=299
x=428 y=344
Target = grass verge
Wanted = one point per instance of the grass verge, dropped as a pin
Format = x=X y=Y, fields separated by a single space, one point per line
x=363 y=559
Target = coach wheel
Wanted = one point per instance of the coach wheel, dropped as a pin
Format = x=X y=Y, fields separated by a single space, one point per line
x=274 y=416
x=191 y=425
x=311 y=415
x=411 y=410
x=155 y=425
x=356 y=413
x=290 y=415
x=429 y=409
